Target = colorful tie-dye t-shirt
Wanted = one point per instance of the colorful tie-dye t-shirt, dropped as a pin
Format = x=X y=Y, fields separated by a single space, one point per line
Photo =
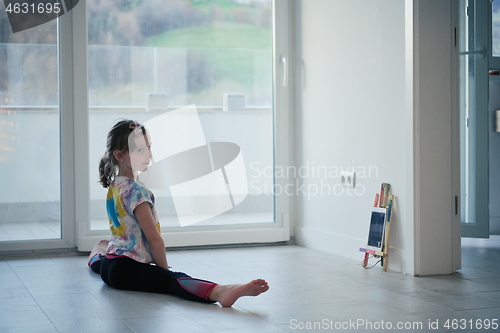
x=127 y=238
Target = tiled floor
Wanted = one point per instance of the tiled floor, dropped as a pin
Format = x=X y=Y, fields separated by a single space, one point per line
x=308 y=287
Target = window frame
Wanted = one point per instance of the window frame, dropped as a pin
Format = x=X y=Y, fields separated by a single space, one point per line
x=69 y=82
x=277 y=231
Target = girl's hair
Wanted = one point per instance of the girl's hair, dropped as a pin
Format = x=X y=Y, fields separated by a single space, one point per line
x=117 y=140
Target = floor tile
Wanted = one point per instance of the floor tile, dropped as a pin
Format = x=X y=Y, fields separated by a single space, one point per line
x=60 y=307
x=151 y=305
x=92 y=325
x=23 y=321
x=176 y=323
x=26 y=303
x=232 y=319
x=281 y=313
x=31 y=262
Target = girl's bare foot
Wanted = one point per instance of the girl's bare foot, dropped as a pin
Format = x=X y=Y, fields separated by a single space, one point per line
x=226 y=295
x=100 y=247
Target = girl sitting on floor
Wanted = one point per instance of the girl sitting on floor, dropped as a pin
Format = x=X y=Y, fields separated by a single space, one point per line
x=135 y=256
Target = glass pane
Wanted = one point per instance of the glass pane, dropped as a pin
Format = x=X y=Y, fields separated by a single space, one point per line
x=467 y=105
x=29 y=133
x=147 y=58
x=495 y=28
x=474 y=118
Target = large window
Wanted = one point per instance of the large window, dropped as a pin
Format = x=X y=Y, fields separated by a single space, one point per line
x=151 y=57
x=29 y=132
x=64 y=83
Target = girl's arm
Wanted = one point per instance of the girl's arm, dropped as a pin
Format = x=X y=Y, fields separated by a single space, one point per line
x=148 y=226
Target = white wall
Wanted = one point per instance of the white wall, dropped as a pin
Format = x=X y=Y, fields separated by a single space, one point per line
x=353 y=113
x=379 y=89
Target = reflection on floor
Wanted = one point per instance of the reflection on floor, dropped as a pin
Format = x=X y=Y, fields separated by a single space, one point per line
x=308 y=289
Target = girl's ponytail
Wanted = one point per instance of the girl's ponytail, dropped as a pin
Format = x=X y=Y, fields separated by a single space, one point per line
x=107 y=169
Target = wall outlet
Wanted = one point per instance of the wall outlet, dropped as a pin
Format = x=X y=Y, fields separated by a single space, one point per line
x=347 y=178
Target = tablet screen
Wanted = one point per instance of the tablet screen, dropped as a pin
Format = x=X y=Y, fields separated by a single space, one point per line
x=376 y=229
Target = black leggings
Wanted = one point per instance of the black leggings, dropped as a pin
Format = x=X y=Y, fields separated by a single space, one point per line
x=128 y=274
